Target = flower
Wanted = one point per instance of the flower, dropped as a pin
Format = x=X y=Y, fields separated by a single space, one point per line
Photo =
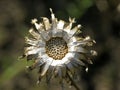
x=57 y=49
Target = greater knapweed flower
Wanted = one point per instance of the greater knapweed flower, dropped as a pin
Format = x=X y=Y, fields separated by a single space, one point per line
x=57 y=49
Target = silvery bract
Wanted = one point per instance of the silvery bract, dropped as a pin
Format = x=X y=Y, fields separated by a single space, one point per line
x=57 y=49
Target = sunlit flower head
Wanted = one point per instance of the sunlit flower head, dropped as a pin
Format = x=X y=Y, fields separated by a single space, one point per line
x=57 y=49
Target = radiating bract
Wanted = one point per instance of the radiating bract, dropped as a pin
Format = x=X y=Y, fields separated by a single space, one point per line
x=57 y=49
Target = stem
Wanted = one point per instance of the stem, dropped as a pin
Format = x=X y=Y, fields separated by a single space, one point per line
x=62 y=86
x=73 y=82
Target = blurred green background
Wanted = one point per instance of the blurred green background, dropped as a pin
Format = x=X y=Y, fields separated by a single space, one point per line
x=100 y=19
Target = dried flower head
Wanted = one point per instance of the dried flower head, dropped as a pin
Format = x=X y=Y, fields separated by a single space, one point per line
x=57 y=49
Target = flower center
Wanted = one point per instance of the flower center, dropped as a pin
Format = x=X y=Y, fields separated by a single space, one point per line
x=56 y=48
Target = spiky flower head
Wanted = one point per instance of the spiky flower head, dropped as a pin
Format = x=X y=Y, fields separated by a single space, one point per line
x=57 y=49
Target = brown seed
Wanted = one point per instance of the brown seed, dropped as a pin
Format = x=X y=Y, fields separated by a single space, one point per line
x=56 y=48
